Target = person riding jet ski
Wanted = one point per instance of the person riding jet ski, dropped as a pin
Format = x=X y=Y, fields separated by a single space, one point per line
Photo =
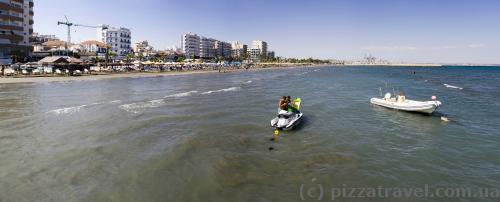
x=283 y=103
x=288 y=116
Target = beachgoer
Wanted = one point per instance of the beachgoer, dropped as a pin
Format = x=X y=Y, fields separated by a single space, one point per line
x=283 y=104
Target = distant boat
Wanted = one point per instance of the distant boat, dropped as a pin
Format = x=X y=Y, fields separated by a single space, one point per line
x=401 y=103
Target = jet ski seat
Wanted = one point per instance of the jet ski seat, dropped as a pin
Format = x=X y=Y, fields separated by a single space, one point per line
x=284 y=114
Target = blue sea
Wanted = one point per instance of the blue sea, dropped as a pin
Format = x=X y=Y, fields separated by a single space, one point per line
x=206 y=137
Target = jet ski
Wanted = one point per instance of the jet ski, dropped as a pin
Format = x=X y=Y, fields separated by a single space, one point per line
x=286 y=120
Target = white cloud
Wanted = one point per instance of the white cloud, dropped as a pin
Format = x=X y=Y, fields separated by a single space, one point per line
x=389 y=48
x=448 y=47
x=476 y=45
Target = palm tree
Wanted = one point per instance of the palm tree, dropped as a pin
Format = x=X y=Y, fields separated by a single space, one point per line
x=16 y=55
x=129 y=57
x=180 y=59
x=141 y=57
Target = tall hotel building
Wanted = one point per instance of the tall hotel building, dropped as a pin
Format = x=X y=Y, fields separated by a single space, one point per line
x=190 y=44
x=16 y=27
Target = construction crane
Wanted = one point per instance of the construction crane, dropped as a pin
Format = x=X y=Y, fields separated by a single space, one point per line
x=70 y=24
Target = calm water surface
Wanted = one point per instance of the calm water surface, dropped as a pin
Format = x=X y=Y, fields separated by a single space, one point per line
x=206 y=137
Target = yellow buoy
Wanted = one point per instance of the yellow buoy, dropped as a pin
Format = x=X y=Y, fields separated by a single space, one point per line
x=445 y=119
x=276 y=132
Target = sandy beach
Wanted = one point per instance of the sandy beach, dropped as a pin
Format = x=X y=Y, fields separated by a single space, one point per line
x=42 y=79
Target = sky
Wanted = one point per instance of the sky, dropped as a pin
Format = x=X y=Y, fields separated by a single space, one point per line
x=437 y=31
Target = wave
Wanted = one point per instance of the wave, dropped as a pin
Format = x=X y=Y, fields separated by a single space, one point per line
x=115 y=101
x=248 y=82
x=182 y=94
x=455 y=87
x=67 y=110
x=222 y=90
x=157 y=102
x=136 y=107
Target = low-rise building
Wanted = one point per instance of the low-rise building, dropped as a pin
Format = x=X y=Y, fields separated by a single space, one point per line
x=93 y=48
x=55 y=45
x=143 y=49
x=38 y=39
x=238 y=50
x=270 y=55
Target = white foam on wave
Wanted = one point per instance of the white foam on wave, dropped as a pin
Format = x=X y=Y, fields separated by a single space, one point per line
x=157 y=102
x=455 y=87
x=222 y=90
x=182 y=94
x=249 y=82
x=115 y=101
x=137 y=107
x=67 y=110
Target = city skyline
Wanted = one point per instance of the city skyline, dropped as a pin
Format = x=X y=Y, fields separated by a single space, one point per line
x=423 y=31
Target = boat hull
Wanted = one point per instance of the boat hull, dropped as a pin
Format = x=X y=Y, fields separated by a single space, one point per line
x=427 y=107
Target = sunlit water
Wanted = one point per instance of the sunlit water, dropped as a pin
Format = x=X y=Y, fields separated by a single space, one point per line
x=206 y=137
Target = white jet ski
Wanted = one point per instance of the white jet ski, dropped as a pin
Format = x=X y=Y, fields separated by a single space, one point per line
x=401 y=103
x=286 y=120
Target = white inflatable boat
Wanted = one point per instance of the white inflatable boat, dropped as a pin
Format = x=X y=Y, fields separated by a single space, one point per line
x=401 y=103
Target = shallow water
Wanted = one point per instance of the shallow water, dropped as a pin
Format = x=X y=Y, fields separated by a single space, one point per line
x=206 y=137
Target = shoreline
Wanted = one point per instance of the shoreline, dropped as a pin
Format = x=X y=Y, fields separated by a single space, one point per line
x=92 y=77
x=45 y=79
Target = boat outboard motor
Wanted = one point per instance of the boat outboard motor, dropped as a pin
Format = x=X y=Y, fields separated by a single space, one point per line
x=387 y=96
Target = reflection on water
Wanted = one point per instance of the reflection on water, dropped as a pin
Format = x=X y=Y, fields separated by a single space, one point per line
x=206 y=137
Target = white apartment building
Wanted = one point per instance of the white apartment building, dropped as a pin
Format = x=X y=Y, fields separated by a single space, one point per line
x=223 y=49
x=190 y=44
x=258 y=50
x=207 y=47
x=16 y=27
x=204 y=47
x=119 y=39
x=261 y=45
